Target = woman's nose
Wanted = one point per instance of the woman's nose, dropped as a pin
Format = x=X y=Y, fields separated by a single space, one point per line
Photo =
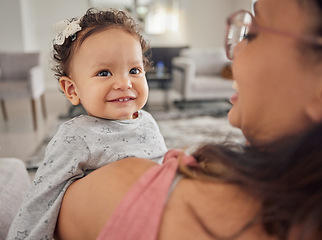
x=122 y=83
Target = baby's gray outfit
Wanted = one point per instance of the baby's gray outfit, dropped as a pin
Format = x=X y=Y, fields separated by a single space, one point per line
x=80 y=146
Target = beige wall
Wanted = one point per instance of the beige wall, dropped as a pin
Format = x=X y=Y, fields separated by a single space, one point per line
x=243 y=4
x=29 y=25
x=10 y=26
x=38 y=19
x=203 y=23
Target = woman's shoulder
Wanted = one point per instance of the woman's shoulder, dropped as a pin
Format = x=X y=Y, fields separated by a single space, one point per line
x=210 y=210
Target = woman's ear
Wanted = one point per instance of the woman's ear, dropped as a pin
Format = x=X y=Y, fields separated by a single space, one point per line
x=69 y=88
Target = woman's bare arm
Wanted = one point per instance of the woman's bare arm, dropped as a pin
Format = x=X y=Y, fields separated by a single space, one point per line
x=89 y=202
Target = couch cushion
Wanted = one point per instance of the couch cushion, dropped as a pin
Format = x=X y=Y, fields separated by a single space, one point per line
x=211 y=83
x=17 y=65
x=17 y=88
x=208 y=61
x=206 y=88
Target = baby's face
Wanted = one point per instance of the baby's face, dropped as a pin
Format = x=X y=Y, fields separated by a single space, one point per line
x=108 y=74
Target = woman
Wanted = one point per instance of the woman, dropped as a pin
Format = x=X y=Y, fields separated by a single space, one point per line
x=269 y=190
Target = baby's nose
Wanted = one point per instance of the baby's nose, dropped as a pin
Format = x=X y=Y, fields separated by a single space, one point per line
x=123 y=84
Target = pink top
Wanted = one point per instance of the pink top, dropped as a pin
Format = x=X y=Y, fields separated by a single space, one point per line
x=139 y=213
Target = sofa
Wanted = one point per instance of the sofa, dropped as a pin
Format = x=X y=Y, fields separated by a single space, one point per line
x=199 y=75
x=14 y=183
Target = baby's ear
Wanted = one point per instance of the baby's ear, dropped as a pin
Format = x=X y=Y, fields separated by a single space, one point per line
x=69 y=88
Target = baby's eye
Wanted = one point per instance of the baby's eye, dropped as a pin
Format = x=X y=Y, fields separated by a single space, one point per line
x=135 y=71
x=104 y=73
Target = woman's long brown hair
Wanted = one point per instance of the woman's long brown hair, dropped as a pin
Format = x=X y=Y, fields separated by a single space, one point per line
x=286 y=179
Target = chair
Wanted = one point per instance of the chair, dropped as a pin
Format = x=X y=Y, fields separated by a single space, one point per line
x=21 y=77
x=197 y=75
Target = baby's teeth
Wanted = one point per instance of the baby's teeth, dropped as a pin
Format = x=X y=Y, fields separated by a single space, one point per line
x=123 y=99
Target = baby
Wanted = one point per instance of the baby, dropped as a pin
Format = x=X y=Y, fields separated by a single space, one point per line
x=100 y=64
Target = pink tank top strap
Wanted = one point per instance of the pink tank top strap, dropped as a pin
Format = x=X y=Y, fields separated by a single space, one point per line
x=139 y=214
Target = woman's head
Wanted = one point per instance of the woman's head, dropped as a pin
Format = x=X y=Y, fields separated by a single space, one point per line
x=278 y=74
x=101 y=64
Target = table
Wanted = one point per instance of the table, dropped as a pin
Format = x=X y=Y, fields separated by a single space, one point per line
x=163 y=81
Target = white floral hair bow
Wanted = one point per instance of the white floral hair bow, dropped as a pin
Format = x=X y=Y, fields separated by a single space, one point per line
x=65 y=30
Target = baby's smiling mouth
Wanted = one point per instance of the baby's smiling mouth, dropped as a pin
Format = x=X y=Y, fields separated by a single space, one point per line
x=122 y=99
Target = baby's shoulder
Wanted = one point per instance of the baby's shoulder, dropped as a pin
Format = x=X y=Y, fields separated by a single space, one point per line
x=146 y=116
x=78 y=124
x=81 y=121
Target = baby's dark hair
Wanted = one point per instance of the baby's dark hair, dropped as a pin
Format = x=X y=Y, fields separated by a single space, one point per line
x=95 y=21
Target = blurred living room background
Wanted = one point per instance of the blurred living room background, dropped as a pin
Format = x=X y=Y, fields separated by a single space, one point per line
x=179 y=32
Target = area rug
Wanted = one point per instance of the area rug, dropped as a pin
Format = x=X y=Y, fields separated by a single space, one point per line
x=190 y=133
x=182 y=132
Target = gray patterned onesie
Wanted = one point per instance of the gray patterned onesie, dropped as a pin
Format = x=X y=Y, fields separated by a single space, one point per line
x=80 y=146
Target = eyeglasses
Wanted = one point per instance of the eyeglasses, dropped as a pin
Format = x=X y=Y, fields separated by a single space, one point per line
x=242 y=25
